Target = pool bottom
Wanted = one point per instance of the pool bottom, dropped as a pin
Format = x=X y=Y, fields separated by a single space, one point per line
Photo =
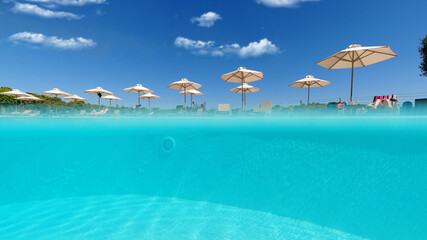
x=142 y=217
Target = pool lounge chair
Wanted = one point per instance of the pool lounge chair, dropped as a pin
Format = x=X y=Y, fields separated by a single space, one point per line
x=224 y=108
x=265 y=107
x=25 y=113
x=3 y=111
x=34 y=114
x=102 y=112
x=15 y=113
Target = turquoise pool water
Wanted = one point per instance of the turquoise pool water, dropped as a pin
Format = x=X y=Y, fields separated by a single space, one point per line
x=218 y=178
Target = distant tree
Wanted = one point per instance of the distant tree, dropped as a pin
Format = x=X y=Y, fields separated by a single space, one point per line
x=423 y=52
x=4 y=98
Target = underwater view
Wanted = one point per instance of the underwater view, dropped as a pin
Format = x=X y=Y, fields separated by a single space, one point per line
x=213 y=120
x=213 y=178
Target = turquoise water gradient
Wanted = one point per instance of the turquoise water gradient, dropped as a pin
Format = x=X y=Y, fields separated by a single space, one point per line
x=219 y=178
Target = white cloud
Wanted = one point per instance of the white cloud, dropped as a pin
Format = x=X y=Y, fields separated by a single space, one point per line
x=52 y=41
x=69 y=2
x=42 y=12
x=192 y=44
x=283 y=3
x=207 y=19
x=254 y=49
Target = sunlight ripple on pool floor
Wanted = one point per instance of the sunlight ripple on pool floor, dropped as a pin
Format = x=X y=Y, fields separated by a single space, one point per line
x=141 y=217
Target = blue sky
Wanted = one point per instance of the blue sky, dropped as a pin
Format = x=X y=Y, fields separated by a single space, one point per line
x=76 y=45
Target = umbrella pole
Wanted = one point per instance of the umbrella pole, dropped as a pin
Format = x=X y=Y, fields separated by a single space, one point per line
x=352 y=76
x=245 y=101
x=56 y=109
x=110 y=102
x=139 y=100
x=185 y=99
x=191 y=100
x=149 y=103
x=99 y=101
x=308 y=100
x=242 y=96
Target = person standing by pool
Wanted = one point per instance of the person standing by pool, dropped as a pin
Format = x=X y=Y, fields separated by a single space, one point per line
x=389 y=101
x=394 y=100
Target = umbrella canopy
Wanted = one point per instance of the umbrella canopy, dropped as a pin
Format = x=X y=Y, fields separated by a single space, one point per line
x=111 y=98
x=185 y=85
x=309 y=82
x=16 y=93
x=100 y=92
x=56 y=92
x=28 y=98
x=243 y=75
x=245 y=88
x=192 y=93
x=138 y=88
x=149 y=96
x=75 y=98
x=357 y=56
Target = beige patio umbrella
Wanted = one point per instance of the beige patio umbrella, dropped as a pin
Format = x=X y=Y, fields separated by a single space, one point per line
x=357 y=56
x=191 y=93
x=56 y=92
x=138 y=88
x=111 y=98
x=242 y=75
x=185 y=85
x=149 y=96
x=16 y=93
x=245 y=88
x=309 y=82
x=28 y=98
x=99 y=91
x=75 y=98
